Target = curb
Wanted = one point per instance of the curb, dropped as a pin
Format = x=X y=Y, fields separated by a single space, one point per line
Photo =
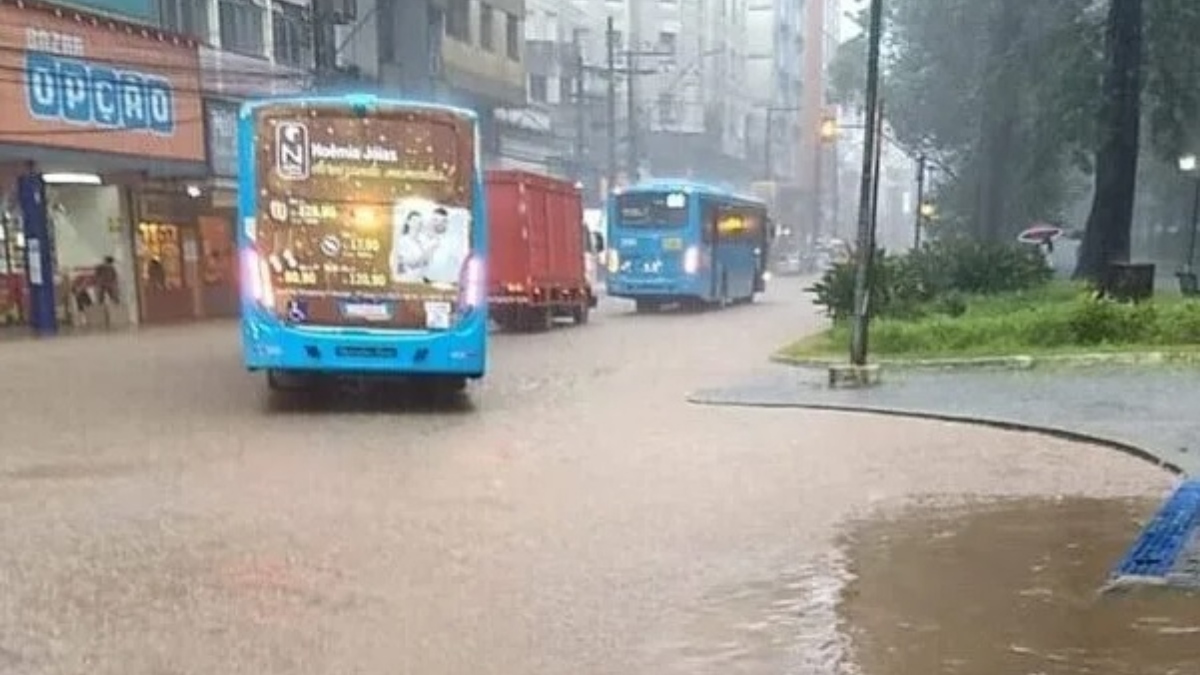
x=1013 y=361
x=1112 y=443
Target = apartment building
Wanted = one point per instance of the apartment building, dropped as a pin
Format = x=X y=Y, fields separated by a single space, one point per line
x=549 y=133
x=775 y=79
x=686 y=60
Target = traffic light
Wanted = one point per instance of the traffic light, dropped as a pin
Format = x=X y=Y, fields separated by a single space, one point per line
x=829 y=128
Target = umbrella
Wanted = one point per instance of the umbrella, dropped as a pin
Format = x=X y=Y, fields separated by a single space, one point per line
x=1039 y=233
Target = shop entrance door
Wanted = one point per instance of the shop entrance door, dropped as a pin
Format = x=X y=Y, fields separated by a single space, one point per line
x=166 y=294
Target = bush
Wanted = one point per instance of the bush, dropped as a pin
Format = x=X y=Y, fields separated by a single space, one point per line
x=1060 y=317
x=934 y=279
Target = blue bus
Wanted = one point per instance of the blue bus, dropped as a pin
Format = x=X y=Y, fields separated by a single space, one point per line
x=361 y=236
x=680 y=242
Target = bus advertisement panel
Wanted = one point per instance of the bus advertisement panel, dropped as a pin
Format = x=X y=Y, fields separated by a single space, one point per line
x=365 y=219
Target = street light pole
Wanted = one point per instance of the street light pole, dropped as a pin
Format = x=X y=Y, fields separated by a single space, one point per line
x=866 y=202
x=1191 y=259
x=610 y=38
x=920 y=208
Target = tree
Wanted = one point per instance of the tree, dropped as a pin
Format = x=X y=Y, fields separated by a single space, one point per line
x=1107 y=236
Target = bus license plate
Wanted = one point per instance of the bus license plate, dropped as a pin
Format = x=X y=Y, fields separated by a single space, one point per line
x=367 y=311
x=672 y=244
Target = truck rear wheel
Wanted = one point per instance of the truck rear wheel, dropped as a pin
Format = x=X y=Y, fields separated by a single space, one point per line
x=581 y=314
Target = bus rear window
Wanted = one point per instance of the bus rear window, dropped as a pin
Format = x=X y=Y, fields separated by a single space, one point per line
x=652 y=210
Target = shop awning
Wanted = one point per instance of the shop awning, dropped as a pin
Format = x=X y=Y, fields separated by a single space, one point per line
x=56 y=160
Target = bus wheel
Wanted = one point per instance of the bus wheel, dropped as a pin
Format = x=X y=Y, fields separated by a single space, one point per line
x=450 y=385
x=645 y=306
x=281 y=381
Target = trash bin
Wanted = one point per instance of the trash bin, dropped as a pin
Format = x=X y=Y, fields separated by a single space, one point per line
x=1189 y=284
x=1130 y=282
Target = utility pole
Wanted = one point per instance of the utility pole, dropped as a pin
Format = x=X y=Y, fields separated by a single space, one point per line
x=580 y=111
x=920 y=221
x=610 y=36
x=768 y=141
x=867 y=188
x=633 y=160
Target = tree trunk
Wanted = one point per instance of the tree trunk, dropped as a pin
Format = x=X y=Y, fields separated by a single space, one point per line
x=998 y=125
x=1107 y=236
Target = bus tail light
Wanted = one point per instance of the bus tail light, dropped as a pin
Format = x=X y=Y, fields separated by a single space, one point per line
x=473 y=291
x=256 y=274
x=691 y=260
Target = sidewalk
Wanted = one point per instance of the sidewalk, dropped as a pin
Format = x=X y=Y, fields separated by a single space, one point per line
x=1152 y=409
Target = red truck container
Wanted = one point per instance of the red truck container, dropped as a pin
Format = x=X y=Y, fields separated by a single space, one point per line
x=537 y=243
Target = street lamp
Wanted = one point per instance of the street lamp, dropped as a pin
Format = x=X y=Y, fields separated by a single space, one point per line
x=1188 y=165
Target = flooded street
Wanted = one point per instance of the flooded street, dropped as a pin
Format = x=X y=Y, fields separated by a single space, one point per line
x=1011 y=587
x=579 y=516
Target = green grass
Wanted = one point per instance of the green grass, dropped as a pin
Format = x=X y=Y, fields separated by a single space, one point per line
x=1055 y=319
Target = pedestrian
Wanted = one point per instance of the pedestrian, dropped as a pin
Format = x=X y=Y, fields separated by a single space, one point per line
x=107 y=282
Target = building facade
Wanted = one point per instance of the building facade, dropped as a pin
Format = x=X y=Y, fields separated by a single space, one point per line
x=463 y=52
x=680 y=69
x=775 y=80
x=549 y=134
x=149 y=179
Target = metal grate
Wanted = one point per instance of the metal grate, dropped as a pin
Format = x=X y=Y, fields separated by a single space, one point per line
x=1166 y=539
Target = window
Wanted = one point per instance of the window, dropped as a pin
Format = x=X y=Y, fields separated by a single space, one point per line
x=189 y=17
x=740 y=224
x=566 y=89
x=668 y=109
x=385 y=31
x=512 y=36
x=458 y=20
x=241 y=27
x=539 y=91
x=487 y=28
x=652 y=209
x=668 y=42
x=292 y=35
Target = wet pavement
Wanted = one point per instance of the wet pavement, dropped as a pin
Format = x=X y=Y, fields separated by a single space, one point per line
x=1151 y=408
x=1008 y=587
x=161 y=514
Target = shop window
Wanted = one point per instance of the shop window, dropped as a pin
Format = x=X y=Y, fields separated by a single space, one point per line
x=160 y=257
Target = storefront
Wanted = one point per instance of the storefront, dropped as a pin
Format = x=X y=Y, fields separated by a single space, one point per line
x=186 y=263
x=101 y=113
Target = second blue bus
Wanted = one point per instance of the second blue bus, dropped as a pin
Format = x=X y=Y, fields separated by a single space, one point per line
x=685 y=243
x=362 y=238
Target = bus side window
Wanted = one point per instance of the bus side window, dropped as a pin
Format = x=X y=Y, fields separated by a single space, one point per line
x=597 y=242
x=708 y=226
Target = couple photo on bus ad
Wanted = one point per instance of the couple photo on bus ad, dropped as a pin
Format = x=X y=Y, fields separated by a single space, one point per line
x=430 y=242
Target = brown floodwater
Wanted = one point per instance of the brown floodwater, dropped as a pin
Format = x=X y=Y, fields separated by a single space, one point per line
x=1011 y=588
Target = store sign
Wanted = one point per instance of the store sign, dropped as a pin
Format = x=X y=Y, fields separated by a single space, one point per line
x=92 y=84
x=75 y=91
x=221 y=122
